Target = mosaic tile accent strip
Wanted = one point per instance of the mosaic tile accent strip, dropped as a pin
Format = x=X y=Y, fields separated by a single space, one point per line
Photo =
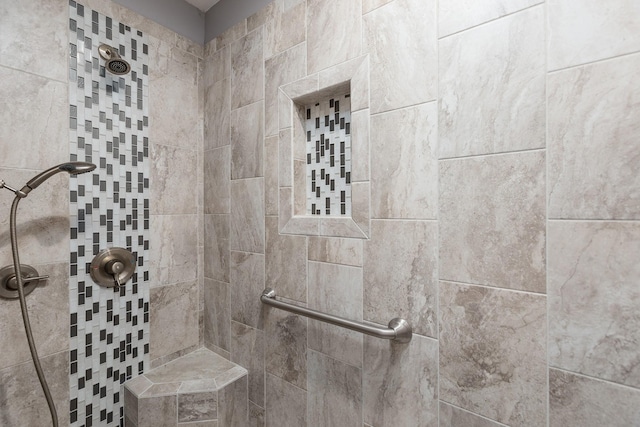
x=328 y=129
x=108 y=121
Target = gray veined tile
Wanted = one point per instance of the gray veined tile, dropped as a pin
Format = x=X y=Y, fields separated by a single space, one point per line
x=247 y=141
x=247 y=74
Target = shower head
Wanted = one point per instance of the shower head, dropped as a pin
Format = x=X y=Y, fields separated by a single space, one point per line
x=72 y=168
x=115 y=64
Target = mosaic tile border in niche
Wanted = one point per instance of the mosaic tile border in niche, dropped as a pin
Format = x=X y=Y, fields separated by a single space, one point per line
x=108 y=121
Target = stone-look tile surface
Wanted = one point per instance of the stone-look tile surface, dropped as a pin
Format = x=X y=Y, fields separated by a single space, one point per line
x=401 y=274
x=503 y=61
x=580 y=401
x=217 y=66
x=369 y=5
x=247 y=141
x=173 y=313
x=217 y=314
x=458 y=15
x=285 y=30
x=594 y=118
x=22 y=400
x=199 y=424
x=216 y=247
x=194 y=366
x=174 y=256
x=360 y=145
x=337 y=290
x=286 y=404
x=256 y=415
x=332 y=37
x=217 y=180
x=247 y=350
x=36 y=126
x=233 y=405
x=334 y=396
x=48 y=308
x=286 y=346
x=247 y=215
x=262 y=16
x=284 y=68
x=492 y=221
x=217 y=108
x=286 y=262
x=174 y=179
x=271 y=175
x=404 y=180
x=247 y=284
x=32 y=38
x=591 y=30
x=399 y=75
x=594 y=299
x=400 y=382
x=159 y=411
x=247 y=69
x=232 y=34
x=450 y=416
x=336 y=250
x=493 y=353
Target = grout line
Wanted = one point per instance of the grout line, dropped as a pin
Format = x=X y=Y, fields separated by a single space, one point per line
x=592 y=378
x=595 y=61
x=473 y=413
x=520 y=291
x=502 y=153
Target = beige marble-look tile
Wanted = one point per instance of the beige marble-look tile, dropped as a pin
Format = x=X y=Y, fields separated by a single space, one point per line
x=285 y=30
x=591 y=30
x=594 y=116
x=247 y=215
x=48 y=307
x=22 y=400
x=173 y=318
x=247 y=284
x=337 y=290
x=247 y=350
x=286 y=403
x=492 y=221
x=401 y=274
x=400 y=382
x=332 y=37
x=216 y=247
x=493 y=353
x=173 y=171
x=217 y=109
x=404 y=68
x=404 y=181
x=336 y=250
x=233 y=404
x=247 y=141
x=247 y=69
x=286 y=347
x=334 y=397
x=502 y=61
x=279 y=70
x=271 y=169
x=217 y=314
x=286 y=262
x=575 y=400
x=33 y=37
x=160 y=411
x=217 y=180
x=174 y=252
x=594 y=299
x=450 y=416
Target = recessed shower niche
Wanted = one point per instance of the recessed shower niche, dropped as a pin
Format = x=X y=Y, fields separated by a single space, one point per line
x=324 y=153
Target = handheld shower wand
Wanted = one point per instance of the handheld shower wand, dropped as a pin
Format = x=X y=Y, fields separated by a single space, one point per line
x=73 y=168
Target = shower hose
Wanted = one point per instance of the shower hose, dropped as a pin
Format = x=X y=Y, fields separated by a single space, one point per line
x=25 y=313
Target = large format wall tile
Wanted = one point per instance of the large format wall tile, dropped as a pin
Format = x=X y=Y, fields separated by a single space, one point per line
x=247 y=69
x=247 y=350
x=286 y=29
x=174 y=178
x=247 y=215
x=397 y=392
x=217 y=314
x=450 y=416
x=492 y=221
x=286 y=346
x=217 y=108
x=216 y=247
x=492 y=87
x=247 y=141
x=401 y=274
x=286 y=404
x=217 y=180
x=493 y=353
x=286 y=262
x=332 y=38
x=404 y=166
x=578 y=401
x=589 y=30
x=594 y=121
x=174 y=256
x=594 y=299
x=247 y=284
x=336 y=250
x=403 y=63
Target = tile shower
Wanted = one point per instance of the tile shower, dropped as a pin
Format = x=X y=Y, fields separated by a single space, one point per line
x=501 y=177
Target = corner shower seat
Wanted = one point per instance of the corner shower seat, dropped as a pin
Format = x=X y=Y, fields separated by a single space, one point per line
x=200 y=389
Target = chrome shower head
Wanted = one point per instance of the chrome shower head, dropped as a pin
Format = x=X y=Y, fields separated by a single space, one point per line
x=72 y=168
x=115 y=64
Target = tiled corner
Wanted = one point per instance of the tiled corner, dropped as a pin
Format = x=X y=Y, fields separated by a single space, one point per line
x=246 y=285
x=247 y=141
x=216 y=247
x=247 y=215
x=217 y=176
x=247 y=350
x=217 y=314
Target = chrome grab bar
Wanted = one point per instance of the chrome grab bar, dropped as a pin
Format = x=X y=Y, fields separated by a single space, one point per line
x=399 y=330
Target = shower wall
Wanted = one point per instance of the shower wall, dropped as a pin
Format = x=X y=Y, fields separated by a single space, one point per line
x=501 y=140
x=34 y=88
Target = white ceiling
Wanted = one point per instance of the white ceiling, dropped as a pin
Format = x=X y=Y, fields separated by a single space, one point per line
x=203 y=5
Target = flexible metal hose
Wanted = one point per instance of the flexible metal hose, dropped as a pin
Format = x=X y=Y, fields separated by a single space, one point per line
x=25 y=313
